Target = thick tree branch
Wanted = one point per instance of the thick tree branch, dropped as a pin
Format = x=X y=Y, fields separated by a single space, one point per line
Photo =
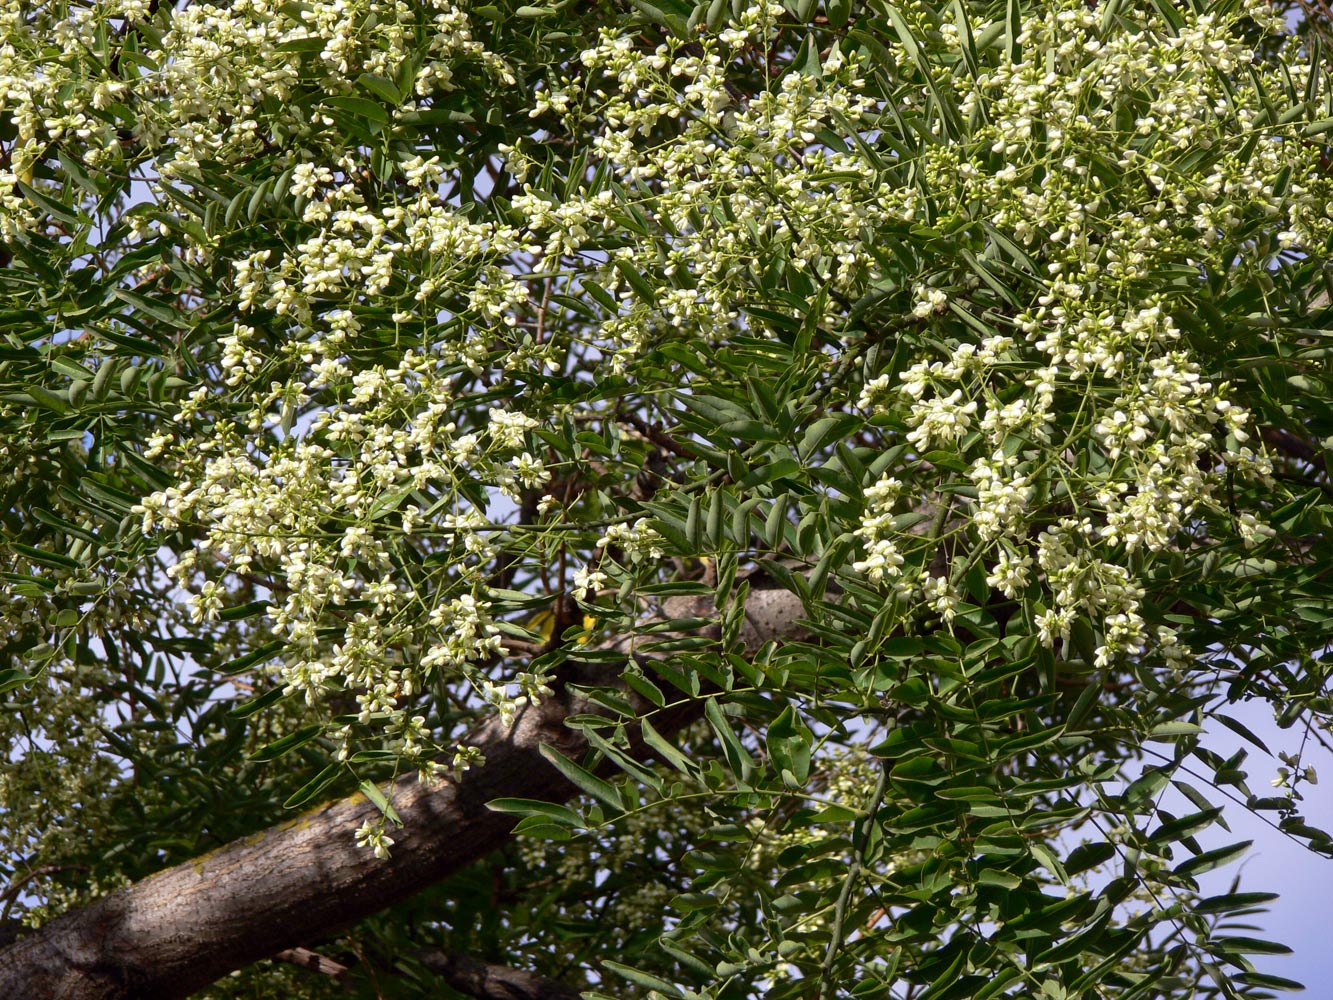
x=175 y=932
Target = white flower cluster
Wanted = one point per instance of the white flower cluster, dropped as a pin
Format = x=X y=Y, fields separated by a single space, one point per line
x=637 y=542
x=219 y=85
x=333 y=466
x=314 y=514
x=739 y=186
x=298 y=468
x=371 y=835
x=1092 y=403
x=587 y=582
x=883 y=558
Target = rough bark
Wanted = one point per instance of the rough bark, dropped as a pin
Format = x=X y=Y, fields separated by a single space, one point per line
x=175 y=932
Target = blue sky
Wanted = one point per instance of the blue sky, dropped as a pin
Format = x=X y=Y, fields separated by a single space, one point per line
x=1275 y=863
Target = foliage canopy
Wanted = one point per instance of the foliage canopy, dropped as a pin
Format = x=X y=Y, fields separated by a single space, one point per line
x=376 y=368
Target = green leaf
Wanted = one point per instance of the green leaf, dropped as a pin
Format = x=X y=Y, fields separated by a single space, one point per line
x=1087 y=856
x=51 y=560
x=1239 y=945
x=824 y=430
x=673 y=18
x=636 y=280
x=644 y=687
x=584 y=779
x=738 y=758
x=1209 y=860
x=56 y=521
x=57 y=210
x=378 y=799
x=788 y=743
x=1186 y=826
x=540 y=828
x=780 y=469
x=533 y=807
x=152 y=308
x=360 y=106
x=1267 y=980
x=996 y=876
x=374 y=757
x=941 y=983
x=45 y=397
x=10 y=678
x=1168 y=731
x=244 y=662
x=643 y=979
x=381 y=87
x=242 y=611
x=312 y=788
x=665 y=751
x=1087 y=698
x=75 y=172
x=839 y=12
x=1013 y=28
x=1146 y=786
x=1234 y=901
x=1240 y=729
x=1048 y=860
x=270 y=697
x=286 y=744
x=717 y=509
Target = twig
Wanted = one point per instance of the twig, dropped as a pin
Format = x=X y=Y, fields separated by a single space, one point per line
x=488 y=981
x=12 y=891
x=860 y=844
x=311 y=960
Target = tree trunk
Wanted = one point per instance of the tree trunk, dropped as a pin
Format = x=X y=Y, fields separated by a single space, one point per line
x=175 y=932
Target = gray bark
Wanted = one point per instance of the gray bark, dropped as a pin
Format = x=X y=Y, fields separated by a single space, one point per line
x=175 y=932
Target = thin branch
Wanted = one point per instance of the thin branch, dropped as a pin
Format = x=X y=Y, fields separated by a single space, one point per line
x=311 y=960
x=861 y=847
x=488 y=981
x=12 y=891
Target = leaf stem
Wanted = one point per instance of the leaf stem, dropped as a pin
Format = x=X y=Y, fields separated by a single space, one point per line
x=860 y=845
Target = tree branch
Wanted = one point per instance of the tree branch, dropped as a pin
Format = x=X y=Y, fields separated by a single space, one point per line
x=175 y=932
x=483 y=980
x=487 y=981
x=312 y=960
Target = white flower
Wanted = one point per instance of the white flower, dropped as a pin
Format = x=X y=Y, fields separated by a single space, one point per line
x=940 y=420
x=587 y=581
x=638 y=541
x=929 y=300
x=371 y=834
x=465 y=757
x=507 y=429
x=1011 y=573
x=940 y=594
x=882 y=561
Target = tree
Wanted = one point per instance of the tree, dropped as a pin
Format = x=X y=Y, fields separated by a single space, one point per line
x=668 y=501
